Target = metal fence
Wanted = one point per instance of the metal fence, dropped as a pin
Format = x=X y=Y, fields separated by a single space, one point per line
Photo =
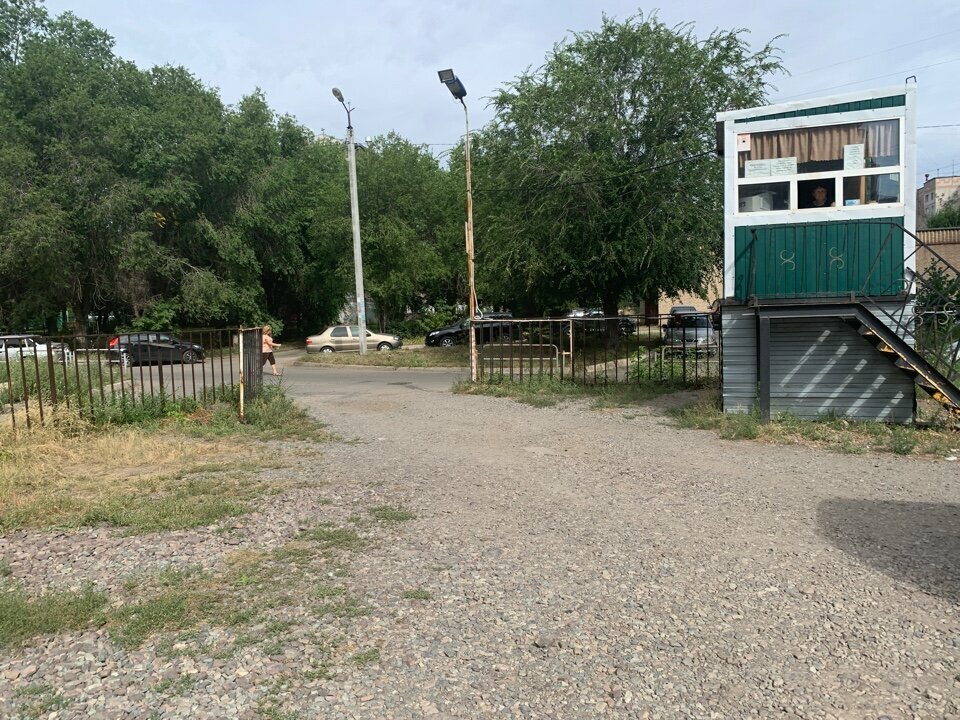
x=682 y=349
x=88 y=373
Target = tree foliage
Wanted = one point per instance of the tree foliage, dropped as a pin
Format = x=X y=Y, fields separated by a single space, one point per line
x=948 y=217
x=140 y=195
x=597 y=182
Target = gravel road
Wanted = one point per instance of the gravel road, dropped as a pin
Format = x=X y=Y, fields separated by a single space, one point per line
x=563 y=563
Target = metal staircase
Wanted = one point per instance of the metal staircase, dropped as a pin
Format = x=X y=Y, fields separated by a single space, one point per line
x=922 y=336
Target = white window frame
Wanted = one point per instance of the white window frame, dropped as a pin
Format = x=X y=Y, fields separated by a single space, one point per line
x=796 y=214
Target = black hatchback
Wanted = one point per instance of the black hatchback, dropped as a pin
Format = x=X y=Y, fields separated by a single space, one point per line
x=456 y=334
x=152 y=348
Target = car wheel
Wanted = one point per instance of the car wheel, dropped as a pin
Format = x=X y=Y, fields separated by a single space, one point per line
x=384 y=346
x=326 y=349
x=189 y=357
x=446 y=342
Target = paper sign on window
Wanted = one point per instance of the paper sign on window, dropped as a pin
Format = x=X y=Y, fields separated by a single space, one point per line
x=756 y=168
x=783 y=166
x=853 y=157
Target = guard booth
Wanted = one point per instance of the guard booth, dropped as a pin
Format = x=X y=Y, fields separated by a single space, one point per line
x=820 y=312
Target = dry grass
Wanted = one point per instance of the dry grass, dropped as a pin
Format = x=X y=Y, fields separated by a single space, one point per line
x=53 y=478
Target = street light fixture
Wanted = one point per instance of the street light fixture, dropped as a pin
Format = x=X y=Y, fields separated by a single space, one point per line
x=355 y=222
x=459 y=92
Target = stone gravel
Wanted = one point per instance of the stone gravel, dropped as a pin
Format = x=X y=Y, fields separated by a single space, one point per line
x=568 y=563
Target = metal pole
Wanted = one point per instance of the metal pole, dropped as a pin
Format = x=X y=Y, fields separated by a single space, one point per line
x=355 y=217
x=473 y=292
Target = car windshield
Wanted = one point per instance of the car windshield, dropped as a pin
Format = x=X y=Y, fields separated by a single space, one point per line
x=693 y=321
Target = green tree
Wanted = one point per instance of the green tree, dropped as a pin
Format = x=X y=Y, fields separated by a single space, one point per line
x=948 y=217
x=597 y=183
x=407 y=226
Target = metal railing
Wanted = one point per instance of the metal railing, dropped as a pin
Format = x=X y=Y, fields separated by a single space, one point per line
x=926 y=316
x=88 y=373
x=600 y=350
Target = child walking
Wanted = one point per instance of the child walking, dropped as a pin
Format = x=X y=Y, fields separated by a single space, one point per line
x=268 y=346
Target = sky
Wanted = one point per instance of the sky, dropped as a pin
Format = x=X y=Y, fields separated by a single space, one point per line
x=384 y=56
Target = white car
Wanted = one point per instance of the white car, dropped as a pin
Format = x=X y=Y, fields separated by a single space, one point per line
x=346 y=338
x=15 y=346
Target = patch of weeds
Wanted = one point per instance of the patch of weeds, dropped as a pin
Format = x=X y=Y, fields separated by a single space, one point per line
x=176 y=609
x=829 y=431
x=330 y=537
x=417 y=594
x=391 y=515
x=275 y=628
x=903 y=441
x=324 y=591
x=174 y=686
x=35 y=701
x=348 y=607
x=182 y=503
x=241 y=616
x=341 y=572
x=356 y=520
x=5 y=569
x=740 y=426
x=23 y=617
x=294 y=552
x=317 y=671
x=366 y=657
x=174 y=577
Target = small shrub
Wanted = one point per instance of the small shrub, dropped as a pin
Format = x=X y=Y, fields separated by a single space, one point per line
x=902 y=441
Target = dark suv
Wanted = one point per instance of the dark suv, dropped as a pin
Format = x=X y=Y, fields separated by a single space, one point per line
x=152 y=348
x=488 y=330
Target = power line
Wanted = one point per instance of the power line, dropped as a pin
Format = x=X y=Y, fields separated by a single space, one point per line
x=876 y=77
x=874 y=54
x=925 y=127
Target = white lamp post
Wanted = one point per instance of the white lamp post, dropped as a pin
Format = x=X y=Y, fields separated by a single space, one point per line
x=355 y=217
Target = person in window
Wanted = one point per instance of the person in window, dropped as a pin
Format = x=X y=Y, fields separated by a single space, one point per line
x=819 y=197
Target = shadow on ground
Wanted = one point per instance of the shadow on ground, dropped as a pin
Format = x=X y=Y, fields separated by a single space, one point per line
x=912 y=542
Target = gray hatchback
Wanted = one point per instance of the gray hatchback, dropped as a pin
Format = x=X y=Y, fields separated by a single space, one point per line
x=692 y=332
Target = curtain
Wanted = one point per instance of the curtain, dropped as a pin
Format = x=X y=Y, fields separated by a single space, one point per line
x=881 y=138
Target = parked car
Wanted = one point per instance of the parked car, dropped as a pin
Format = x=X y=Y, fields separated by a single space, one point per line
x=346 y=338
x=12 y=346
x=690 y=332
x=456 y=333
x=152 y=348
x=591 y=320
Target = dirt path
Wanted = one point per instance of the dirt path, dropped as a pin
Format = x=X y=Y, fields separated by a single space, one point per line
x=570 y=563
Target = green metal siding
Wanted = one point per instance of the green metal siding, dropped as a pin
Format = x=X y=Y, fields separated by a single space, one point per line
x=819 y=259
x=872 y=104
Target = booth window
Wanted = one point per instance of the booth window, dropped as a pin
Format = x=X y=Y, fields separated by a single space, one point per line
x=868 y=189
x=823 y=149
x=764 y=196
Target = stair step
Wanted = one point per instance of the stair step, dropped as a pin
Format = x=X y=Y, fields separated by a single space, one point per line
x=884 y=348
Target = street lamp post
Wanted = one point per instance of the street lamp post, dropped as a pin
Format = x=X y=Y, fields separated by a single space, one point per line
x=355 y=222
x=459 y=92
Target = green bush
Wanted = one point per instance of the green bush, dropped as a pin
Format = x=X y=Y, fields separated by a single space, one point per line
x=420 y=326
